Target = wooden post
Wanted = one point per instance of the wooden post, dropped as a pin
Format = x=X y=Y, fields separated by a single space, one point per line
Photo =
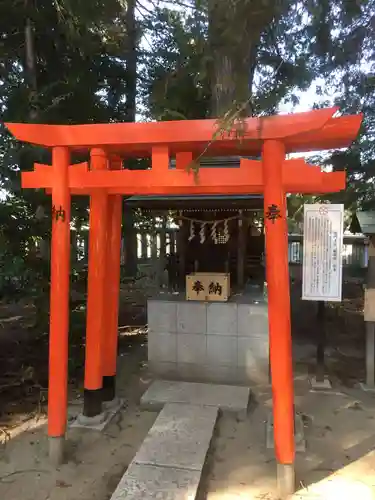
x=241 y=250
x=143 y=245
x=130 y=242
x=370 y=354
x=370 y=324
x=96 y=321
x=59 y=307
x=321 y=342
x=173 y=241
x=279 y=313
x=163 y=238
x=181 y=251
x=112 y=296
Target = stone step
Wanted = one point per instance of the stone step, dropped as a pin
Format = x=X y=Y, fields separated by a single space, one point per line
x=169 y=463
x=225 y=397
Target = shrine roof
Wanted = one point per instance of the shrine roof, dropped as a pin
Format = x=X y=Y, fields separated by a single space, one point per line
x=363 y=222
x=301 y=132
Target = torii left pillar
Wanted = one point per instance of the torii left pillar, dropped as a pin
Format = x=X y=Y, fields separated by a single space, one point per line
x=59 y=306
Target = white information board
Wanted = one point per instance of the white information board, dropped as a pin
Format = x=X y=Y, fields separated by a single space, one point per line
x=322 y=252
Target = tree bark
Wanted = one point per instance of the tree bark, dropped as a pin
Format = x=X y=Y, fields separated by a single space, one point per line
x=30 y=66
x=131 y=62
x=129 y=235
x=235 y=29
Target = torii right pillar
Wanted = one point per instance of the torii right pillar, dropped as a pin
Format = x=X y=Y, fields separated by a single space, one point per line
x=277 y=271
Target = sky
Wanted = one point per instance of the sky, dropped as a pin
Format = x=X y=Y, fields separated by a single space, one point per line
x=307 y=99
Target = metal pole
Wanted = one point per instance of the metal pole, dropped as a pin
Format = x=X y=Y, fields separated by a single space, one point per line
x=321 y=341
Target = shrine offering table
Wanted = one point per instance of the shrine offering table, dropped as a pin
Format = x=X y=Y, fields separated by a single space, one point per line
x=223 y=342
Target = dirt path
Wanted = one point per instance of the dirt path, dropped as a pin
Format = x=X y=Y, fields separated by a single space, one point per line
x=340 y=429
x=96 y=460
x=340 y=432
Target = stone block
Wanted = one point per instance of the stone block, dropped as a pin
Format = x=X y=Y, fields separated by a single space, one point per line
x=191 y=372
x=221 y=374
x=222 y=319
x=161 y=316
x=222 y=350
x=258 y=374
x=179 y=438
x=225 y=397
x=162 y=346
x=162 y=368
x=191 y=348
x=147 y=482
x=252 y=351
x=191 y=317
x=252 y=319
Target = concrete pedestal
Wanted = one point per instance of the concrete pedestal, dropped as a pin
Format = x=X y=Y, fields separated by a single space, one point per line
x=56 y=450
x=220 y=342
x=286 y=482
x=324 y=385
x=99 y=422
x=370 y=355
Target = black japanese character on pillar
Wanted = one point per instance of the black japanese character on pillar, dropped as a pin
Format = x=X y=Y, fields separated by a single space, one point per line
x=58 y=213
x=273 y=213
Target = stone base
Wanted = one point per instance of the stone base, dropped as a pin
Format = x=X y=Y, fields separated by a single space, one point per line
x=211 y=373
x=286 y=482
x=366 y=387
x=299 y=433
x=56 y=450
x=320 y=385
x=210 y=342
x=225 y=397
x=99 y=422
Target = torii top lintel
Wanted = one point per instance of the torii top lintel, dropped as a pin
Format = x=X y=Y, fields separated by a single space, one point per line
x=308 y=131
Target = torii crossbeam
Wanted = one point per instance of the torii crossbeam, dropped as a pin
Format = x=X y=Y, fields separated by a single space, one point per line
x=106 y=181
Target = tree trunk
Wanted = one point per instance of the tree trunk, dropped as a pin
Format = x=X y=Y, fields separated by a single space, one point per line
x=131 y=62
x=129 y=235
x=235 y=28
x=30 y=71
x=30 y=68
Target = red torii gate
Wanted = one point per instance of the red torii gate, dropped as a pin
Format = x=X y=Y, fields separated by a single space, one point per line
x=104 y=179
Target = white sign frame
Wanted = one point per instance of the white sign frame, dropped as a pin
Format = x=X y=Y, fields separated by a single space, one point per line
x=322 y=252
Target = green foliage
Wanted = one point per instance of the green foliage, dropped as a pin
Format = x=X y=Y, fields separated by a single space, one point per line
x=198 y=58
x=70 y=70
x=174 y=83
